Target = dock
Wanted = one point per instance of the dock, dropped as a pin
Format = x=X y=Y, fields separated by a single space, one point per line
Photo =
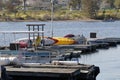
x=105 y=42
x=53 y=72
x=116 y=40
x=59 y=65
x=77 y=47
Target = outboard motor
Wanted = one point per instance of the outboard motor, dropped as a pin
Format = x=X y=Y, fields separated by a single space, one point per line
x=80 y=39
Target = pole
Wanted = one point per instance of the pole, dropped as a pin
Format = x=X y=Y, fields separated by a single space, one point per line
x=43 y=42
x=52 y=17
x=24 y=4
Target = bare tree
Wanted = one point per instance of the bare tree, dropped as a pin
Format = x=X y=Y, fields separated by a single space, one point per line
x=13 y=6
x=117 y=3
x=1 y=4
x=24 y=4
x=75 y=4
x=90 y=8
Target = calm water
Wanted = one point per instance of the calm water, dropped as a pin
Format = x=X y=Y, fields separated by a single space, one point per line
x=108 y=60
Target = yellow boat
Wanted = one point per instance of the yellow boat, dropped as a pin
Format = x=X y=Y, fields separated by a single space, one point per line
x=64 y=41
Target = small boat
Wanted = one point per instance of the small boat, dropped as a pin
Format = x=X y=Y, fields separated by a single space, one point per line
x=18 y=57
x=8 y=60
x=67 y=40
x=39 y=56
x=109 y=20
x=18 y=54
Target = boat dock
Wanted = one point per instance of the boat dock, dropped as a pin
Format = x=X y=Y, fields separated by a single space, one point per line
x=55 y=71
x=56 y=67
x=60 y=70
x=111 y=42
x=77 y=47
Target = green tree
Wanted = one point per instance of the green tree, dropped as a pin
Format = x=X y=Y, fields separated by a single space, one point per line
x=117 y=3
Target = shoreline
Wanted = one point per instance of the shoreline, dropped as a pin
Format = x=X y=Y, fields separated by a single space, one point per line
x=33 y=20
x=81 y=20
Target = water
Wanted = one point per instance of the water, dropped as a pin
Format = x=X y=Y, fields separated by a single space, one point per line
x=108 y=60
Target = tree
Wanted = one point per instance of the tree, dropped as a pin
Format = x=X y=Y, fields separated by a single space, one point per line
x=111 y=2
x=75 y=4
x=13 y=6
x=117 y=3
x=107 y=3
x=90 y=8
x=1 y=4
x=24 y=4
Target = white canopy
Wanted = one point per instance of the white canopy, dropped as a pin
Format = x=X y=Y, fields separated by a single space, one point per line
x=20 y=32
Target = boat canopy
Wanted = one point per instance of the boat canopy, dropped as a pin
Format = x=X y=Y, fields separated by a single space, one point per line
x=20 y=32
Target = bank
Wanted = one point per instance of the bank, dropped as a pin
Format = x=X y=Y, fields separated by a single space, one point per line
x=36 y=15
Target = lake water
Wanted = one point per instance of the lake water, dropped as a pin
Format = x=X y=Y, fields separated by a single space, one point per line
x=107 y=59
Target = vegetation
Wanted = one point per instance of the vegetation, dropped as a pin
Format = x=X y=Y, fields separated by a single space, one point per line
x=117 y=3
x=76 y=10
x=91 y=9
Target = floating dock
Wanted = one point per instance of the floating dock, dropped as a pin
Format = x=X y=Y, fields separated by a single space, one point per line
x=104 y=42
x=77 y=47
x=55 y=71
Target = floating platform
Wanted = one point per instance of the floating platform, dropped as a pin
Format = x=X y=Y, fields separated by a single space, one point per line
x=105 y=42
x=117 y=40
x=77 y=47
x=55 y=71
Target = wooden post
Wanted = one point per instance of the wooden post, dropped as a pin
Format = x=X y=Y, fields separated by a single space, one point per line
x=43 y=42
x=4 y=76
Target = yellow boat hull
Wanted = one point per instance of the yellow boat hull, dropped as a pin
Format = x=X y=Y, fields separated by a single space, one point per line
x=63 y=41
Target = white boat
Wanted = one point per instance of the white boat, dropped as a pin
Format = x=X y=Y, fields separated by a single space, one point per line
x=24 y=42
x=8 y=60
x=42 y=56
x=9 y=57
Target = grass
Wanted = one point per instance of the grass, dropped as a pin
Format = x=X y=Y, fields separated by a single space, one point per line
x=58 y=15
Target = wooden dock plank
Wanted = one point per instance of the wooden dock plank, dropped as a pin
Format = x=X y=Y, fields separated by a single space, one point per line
x=50 y=71
x=43 y=71
x=47 y=70
x=80 y=66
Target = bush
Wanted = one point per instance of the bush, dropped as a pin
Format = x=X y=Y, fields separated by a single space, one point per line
x=46 y=17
